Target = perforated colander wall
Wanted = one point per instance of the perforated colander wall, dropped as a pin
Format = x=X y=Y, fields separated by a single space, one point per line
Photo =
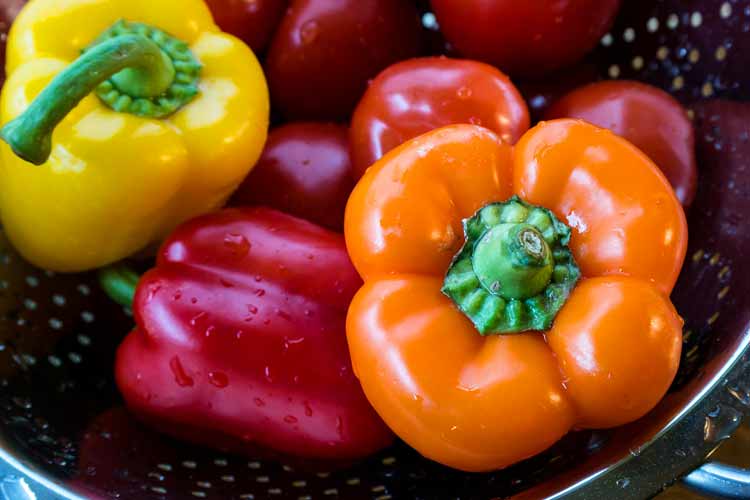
x=61 y=413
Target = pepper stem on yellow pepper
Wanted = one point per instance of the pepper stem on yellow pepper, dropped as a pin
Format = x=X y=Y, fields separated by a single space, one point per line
x=133 y=68
x=515 y=270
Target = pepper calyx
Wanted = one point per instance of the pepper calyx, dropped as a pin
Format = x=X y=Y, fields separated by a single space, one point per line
x=132 y=90
x=132 y=67
x=514 y=271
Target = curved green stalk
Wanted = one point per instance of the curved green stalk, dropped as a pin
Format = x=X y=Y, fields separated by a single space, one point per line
x=132 y=67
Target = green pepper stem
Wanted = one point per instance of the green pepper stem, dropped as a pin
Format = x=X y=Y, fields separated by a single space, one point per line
x=119 y=282
x=515 y=270
x=149 y=72
x=513 y=261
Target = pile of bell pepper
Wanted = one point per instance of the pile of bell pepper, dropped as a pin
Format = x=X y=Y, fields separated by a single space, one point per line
x=403 y=253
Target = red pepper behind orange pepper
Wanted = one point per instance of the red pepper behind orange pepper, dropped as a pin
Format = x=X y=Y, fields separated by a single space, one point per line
x=415 y=96
x=650 y=118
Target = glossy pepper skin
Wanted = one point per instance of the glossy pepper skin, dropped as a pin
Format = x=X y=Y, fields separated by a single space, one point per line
x=116 y=182
x=306 y=171
x=415 y=96
x=645 y=115
x=612 y=350
x=525 y=38
x=240 y=339
x=324 y=52
x=252 y=21
x=8 y=12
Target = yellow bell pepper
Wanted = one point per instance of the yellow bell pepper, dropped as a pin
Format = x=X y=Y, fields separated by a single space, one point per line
x=157 y=117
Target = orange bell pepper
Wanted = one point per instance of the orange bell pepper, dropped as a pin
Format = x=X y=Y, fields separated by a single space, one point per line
x=440 y=368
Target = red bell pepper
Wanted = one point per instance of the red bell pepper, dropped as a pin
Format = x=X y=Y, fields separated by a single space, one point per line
x=305 y=170
x=240 y=339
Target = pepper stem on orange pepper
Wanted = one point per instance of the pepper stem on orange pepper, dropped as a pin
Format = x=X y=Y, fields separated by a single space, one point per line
x=515 y=270
x=513 y=261
x=134 y=68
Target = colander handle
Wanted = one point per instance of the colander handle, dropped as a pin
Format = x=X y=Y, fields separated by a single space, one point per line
x=719 y=480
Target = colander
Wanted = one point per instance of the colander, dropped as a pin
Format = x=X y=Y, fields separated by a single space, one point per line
x=64 y=432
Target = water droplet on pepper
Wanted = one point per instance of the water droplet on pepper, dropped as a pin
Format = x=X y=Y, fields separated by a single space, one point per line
x=309 y=32
x=237 y=244
x=463 y=93
x=194 y=320
x=218 y=379
x=180 y=375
